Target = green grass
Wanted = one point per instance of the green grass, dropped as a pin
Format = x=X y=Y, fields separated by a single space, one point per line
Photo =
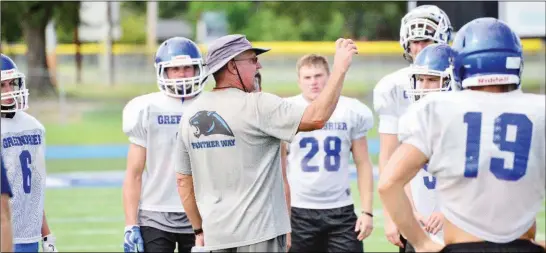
x=84 y=165
x=92 y=220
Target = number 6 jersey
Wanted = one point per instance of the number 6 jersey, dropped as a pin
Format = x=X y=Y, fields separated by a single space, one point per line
x=318 y=161
x=486 y=151
x=23 y=152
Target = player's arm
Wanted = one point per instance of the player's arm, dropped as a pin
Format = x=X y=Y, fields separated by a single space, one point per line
x=401 y=168
x=134 y=127
x=320 y=110
x=48 y=239
x=187 y=196
x=403 y=165
x=284 y=164
x=363 y=118
x=45 y=227
x=364 y=170
x=132 y=184
x=184 y=181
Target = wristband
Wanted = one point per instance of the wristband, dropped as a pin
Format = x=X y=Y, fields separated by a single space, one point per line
x=366 y=213
x=198 y=231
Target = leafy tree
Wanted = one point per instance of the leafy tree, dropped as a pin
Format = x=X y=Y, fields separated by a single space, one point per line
x=165 y=9
x=237 y=13
x=32 y=18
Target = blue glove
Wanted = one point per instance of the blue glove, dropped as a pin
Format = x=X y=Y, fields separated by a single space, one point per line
x=133 y=239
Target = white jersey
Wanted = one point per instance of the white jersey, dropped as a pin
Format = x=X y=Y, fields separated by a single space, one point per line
x=23 y=152
x=487 y=152
x=151 y=121
x=391 y=102
x=318 y=161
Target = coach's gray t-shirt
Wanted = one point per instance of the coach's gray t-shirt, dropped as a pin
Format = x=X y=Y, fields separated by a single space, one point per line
x=229 y=140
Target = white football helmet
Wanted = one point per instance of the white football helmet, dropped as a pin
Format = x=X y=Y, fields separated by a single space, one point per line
x=426 y=22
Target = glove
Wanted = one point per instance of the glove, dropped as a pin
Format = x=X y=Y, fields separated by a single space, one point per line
x=48 y=243
x=133 y=239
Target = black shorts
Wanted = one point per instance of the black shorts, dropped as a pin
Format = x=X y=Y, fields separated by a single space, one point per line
x=156 y=240
x=514 y=246
x=407 y=246
x=324 y=230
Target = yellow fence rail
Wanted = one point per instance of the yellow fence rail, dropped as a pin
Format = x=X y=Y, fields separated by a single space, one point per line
x=278 y=47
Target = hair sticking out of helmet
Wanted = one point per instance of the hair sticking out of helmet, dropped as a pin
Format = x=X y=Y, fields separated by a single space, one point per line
x=179 y=68
x=488 y=52
x=14 y=96
x=431 y=72
x=426 y=22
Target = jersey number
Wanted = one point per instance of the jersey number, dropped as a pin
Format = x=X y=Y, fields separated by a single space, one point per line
x=332 y=147
x=520 y=145
x=26 y=160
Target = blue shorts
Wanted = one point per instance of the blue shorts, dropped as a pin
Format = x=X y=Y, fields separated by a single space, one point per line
x=26 y=247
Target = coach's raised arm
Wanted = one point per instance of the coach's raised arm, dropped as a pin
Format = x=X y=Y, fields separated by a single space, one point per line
x=227 y=155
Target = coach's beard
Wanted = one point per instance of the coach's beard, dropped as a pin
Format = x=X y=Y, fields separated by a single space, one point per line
x=257 y=82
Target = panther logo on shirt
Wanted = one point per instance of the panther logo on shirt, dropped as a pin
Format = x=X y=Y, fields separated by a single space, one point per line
x=209 y=123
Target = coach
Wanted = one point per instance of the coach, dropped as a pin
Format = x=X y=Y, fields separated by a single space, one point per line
x=227 y=155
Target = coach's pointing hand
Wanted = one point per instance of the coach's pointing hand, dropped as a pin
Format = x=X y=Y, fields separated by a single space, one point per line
x=345 y=49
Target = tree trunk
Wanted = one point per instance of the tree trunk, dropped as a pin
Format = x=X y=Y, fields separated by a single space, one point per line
x=357 y=25
x=38 y=78
x=78 y=55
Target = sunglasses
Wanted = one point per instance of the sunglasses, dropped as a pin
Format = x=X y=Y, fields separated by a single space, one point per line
x=253 y=60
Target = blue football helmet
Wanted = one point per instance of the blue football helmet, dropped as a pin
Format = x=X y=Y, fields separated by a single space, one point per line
x=177 y=52
x=16 y=99
x=433 y=60
x=488 y=53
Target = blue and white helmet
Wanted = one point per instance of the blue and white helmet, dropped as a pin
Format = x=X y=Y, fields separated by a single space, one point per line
x=488 y=53
x=426 y=22
x=433 y=60
x=17 y=99
x=176 y=52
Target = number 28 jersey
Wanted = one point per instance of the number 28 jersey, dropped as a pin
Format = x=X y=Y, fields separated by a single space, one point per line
x=23 y=153
x=486 y=151
x=318 y=161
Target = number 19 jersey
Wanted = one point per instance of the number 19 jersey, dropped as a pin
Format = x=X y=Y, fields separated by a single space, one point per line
x=318 y=161
x=486 y=151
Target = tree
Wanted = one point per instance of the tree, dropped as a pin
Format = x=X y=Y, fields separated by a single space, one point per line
x=166 y=9
x=32 y=17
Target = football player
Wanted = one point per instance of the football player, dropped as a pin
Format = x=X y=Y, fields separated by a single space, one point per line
x=430 y=72
x=23 y=153
x=322 y=214
x=154 y=216
x=485 y=145
x=424 y=25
